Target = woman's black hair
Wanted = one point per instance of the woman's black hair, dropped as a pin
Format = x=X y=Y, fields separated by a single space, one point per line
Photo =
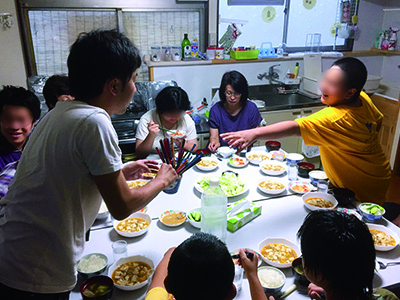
x=238 y=83
x=18 y=96
x=172 y=99
x=98 y=56
x=355 y=73
x=55 y=86
x=201 y=259
x=339 y=248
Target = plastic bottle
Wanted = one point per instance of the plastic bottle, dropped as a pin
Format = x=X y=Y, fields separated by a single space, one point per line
x=195 y=48
x=186 y=47
x=213 y=210
x=296 y=70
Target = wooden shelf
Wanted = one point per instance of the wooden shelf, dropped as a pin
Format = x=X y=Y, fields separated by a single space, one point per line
x=385 y=52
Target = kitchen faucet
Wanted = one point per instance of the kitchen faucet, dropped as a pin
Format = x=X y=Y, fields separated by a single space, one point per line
x=272 y=75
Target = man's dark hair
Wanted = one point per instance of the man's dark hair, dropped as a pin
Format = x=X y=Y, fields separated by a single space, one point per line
x=355 y=73
x=18 y=96
x=238 y=83
x=56 y=86
x=201 y=268
x=340 y=249
x=98 y=56
x=172 y=99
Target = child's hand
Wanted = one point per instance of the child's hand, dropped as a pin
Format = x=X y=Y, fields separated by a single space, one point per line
x=153 y=128
x=315 y=292
x=249 y=265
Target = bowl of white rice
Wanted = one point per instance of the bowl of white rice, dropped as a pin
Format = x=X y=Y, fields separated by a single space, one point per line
x=271 y=279
x=92 y=264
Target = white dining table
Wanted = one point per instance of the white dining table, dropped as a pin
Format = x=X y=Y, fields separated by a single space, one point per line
x=282 y=216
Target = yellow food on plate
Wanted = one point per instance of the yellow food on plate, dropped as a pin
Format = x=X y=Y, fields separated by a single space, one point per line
x=382 y=238
x=174 y=218
x=279 y=253
x=273 y=167
x=319 y=202
x=257 y=156
x=136 y=184
x=271 y=185
x=131 y=273
x=132 y=225
x=207 y=163
x=152 y=175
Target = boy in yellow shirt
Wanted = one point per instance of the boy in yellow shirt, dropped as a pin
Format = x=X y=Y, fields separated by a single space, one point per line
x=346 y=132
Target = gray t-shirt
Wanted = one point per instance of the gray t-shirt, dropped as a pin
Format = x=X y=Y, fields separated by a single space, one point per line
x=53 y=199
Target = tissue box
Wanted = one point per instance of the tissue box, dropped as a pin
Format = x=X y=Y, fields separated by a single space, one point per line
x=244 y=215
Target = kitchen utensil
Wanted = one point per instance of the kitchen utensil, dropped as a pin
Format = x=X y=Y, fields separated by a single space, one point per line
x=383 y=266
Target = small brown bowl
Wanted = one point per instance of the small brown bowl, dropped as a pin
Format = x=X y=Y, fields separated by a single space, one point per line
x=272 y=145
x=298 y=276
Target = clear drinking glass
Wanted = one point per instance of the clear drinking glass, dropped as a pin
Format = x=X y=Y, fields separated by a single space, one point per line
x=323 y=185
x=119 y=249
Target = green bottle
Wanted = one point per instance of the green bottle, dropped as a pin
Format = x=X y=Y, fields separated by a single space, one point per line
x=186 y=47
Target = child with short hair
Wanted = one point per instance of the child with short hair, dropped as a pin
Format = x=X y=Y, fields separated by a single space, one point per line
x=346 y=132
x=56 y=89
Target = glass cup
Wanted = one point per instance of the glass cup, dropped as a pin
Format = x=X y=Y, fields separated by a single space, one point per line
x=323 y=185
x=238 y=279
x=119 y=249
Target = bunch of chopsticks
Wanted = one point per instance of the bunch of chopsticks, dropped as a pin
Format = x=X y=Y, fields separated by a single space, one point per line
x=182 y=163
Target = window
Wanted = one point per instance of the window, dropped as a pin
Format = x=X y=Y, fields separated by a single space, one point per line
x=289 y=23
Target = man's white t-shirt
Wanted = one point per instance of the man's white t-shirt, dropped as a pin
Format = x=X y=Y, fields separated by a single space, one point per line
x=53 y=199
x=185 y=124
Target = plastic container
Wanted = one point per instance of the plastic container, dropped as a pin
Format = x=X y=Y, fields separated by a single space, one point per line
x=195 y=48
x=176 y=53
x=166 y=53
x=219 y=53
x=213 y=210
x=155 y=53
x=246 y=54
x=267 y=51
x=211 y=52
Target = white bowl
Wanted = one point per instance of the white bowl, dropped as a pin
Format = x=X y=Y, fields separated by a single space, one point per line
x=294 y=158
x=325 y=196
x=136 y=233
x=268 y=191
x=258 y=161
x=100 y=270
x=271 y=290
x=387 y=231
x=128 y=259
x=275 y=163
x=245 y=160
x=306 y=183
x=278 y=241
x=172 y=211
x=225 y=151
x=191 y=222
x=210 y=168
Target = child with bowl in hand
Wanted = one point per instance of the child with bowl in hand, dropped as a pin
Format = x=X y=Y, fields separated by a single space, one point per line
x=200 y=268
x=170 y=113
x=338 y=258
x=346 y=132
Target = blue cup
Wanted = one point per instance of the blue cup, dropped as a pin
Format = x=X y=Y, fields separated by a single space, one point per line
x=173 y=188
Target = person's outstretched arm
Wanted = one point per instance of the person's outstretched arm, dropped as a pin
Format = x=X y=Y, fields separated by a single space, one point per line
x=243 y=139
x=144 y=147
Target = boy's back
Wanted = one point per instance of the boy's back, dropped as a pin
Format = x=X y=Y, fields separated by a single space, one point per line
x=351 y=154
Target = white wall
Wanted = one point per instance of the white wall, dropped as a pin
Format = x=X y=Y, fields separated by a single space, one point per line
x=12 y=65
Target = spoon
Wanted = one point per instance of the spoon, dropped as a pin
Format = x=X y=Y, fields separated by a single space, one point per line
x=383 y=266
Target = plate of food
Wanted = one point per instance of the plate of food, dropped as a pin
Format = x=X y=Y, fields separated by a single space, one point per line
x=256 y=157
x=173 y=218
x=278 y=252
x=91 y=264
x=273 y=167
x=238 y=162
x=318 y=200
x=300 y=187
x=135 y=225
x=194 y=217
x=135 y=184
x=229 y=182
x=207 y=164
x=149 y=175
x=384 y=238
x=279 y=155
x=271 y=186
x=176 y=133
x=235 y=254
x=125 y=271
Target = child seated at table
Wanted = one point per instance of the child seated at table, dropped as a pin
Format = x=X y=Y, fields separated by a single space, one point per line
x=199 y=268
x=346 y=132
x=338 y=258
x=56 y=90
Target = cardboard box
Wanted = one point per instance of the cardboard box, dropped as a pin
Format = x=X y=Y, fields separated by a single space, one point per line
x=244 y=215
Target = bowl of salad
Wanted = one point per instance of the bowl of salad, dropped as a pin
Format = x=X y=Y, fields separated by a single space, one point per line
x=229 y=182
x=371 y=211
x=238 y=162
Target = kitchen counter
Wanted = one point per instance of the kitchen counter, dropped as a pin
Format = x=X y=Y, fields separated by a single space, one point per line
x=281 y=216
x=289 y=101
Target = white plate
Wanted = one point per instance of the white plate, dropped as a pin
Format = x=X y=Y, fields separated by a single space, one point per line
x=387 y=231
x=294 y=183
x=128 y=259
x=238 y=166
x=172 y=211
x=278 y=241
x=210 y=168
x=236 y=251
x=258 y=161
x=275 y=163
x=197 y=187
x=325 y=196
x=268 y=191
x=136 y=233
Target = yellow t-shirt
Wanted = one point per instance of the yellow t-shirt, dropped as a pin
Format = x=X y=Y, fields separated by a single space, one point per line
x=350 y=150
x=158 y=293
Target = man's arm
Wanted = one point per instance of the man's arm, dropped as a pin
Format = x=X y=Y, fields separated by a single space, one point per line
x=123 y=201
